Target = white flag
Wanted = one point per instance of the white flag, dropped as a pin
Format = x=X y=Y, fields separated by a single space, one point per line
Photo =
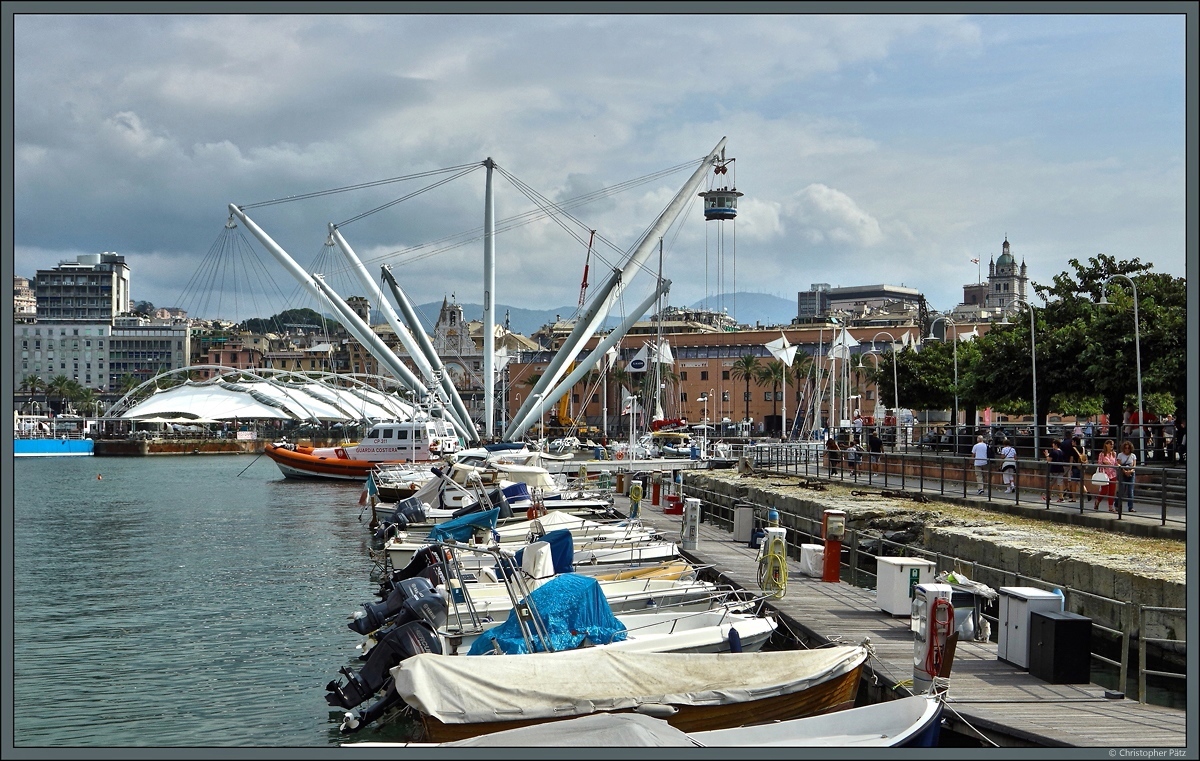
x=841 y=346
x=782 y=350
x=664 y=356
x=500 y=358
x=638 y=363
x=626 y=401
x=969 y=336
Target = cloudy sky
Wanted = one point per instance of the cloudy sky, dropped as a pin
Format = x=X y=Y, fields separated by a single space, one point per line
x=870 y=148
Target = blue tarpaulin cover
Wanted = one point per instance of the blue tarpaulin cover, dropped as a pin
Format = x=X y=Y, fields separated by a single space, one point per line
x=461 y=529
x=572 y=607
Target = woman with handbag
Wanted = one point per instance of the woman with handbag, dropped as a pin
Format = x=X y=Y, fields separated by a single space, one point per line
x=1107 y=462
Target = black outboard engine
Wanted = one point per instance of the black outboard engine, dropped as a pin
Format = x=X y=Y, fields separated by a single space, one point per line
x=410 y=639
x=377 y=614
x=421 y=559
x=354 y=721
x=407 y=512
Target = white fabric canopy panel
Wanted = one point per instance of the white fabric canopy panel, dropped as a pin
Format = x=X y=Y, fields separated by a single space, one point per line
x=257 y=399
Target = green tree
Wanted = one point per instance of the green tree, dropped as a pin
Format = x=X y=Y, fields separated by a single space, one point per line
x=745 y=369
x=771 y=374
x=60 y=387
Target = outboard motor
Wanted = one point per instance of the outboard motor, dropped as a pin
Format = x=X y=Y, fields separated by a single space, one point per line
x=410 y=639
x=377 y=614
x=407 y=512
x=354 y=720
x=421 y=559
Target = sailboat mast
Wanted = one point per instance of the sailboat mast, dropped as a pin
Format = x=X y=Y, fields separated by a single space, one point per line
x=658 y=413
x=489 y=306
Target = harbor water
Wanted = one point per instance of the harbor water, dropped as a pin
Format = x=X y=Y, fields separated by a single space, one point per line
x=181 y=602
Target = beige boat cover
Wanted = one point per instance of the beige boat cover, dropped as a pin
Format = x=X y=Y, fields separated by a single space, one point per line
x=473 y=689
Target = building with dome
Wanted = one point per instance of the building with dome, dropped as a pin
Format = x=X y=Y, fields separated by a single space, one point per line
x=1006 y=280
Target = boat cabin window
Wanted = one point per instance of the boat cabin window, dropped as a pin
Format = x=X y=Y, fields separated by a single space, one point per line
x=400 y=434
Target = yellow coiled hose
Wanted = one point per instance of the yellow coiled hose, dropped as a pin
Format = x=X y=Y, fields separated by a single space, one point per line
x=772 y=567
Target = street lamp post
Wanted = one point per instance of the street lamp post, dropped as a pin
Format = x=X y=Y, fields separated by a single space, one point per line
x=949 y=321
x=704 y=426
x=1137 y=344
x=895 y=382
x=1037 y=447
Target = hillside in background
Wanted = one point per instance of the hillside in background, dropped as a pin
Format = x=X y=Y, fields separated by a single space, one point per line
x=751 y=309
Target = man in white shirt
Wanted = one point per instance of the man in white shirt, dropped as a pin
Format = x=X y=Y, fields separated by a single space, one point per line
x=979 y=453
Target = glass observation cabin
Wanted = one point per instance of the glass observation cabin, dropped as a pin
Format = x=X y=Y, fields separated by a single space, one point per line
x=720 y=203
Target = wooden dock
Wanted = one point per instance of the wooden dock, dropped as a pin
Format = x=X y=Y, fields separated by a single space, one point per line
x=987 y=697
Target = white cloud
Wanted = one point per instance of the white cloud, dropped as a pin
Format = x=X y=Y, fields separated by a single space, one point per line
x=876 y=148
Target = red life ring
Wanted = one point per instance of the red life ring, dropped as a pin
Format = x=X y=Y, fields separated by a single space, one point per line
x=621 y=455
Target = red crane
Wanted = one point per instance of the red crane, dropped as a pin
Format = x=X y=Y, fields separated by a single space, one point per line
x=586 y=262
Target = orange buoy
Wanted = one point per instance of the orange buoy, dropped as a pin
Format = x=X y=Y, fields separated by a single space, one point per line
x=99 y=477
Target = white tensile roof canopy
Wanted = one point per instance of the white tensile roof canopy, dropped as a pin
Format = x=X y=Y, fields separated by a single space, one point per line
x=258 y=394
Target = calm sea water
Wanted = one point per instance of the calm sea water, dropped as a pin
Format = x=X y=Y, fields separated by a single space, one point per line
x=178 y=601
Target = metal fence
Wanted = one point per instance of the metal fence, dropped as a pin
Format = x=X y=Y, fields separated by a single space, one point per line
x=1156 y=488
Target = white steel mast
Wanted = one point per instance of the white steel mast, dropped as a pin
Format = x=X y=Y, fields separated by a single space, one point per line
x=587 y=324
x=489 y=305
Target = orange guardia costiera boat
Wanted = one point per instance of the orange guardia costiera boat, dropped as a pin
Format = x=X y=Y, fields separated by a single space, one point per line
x=395 y=442
x=458 y=698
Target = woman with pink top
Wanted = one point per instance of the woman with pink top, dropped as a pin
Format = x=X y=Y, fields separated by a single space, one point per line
x=1107 y=464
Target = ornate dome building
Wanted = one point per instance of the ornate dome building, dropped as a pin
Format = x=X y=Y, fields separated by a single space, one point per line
x=1006 y=280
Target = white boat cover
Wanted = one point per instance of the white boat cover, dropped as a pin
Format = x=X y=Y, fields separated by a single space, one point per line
x=476 y=689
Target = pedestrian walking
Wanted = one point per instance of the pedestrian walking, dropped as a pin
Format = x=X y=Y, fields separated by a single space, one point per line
x=852 y=456
x=979 y=458
x=1057 y=459
x=1078 y=458
x=875 y=447
x=1008 y=466
x=1107 y=462
x=833 y=455
x=1127 y=463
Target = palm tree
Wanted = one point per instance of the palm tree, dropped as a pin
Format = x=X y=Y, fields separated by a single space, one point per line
x=32 y=385
x=773 y=373
x=59 y=386
x=745 y=369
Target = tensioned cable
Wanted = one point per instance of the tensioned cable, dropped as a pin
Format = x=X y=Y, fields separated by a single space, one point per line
x=359 y=186
x=413 y=194
x=509 y=223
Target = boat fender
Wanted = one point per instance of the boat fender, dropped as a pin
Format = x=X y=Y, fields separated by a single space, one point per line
x=657 y=710
x=735 y=641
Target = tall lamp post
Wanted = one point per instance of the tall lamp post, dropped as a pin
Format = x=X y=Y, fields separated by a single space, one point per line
x=1037 y=447
x=704 y=425
x=895 y=382
x=949 y=321
x=1137 y=345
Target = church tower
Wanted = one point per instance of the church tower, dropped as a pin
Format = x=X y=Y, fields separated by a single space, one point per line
x=1006 y=280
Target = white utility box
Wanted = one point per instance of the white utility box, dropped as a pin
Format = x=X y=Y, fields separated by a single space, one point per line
x=743 y=523
x=1017 y=605
x=896 y=579
x=812 y=560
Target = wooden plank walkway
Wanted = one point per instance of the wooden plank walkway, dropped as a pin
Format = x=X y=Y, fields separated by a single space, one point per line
x=1001 y=701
